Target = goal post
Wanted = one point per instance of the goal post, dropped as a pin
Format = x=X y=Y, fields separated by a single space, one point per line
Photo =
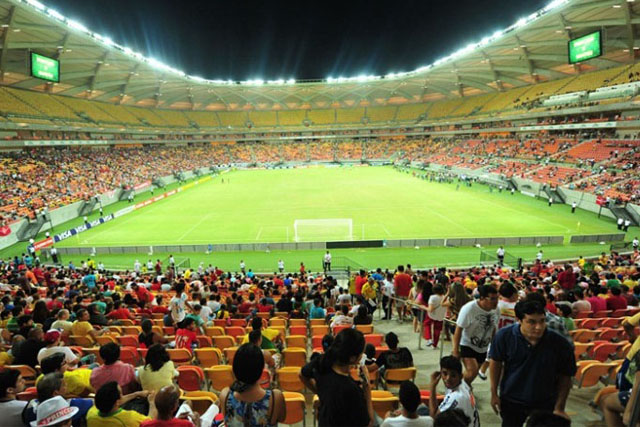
x=323 y=229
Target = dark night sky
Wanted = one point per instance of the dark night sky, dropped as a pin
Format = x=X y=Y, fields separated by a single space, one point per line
x=240 y=40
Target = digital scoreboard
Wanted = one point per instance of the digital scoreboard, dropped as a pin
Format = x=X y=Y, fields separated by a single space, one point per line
x=586 y=47
x=45 y=68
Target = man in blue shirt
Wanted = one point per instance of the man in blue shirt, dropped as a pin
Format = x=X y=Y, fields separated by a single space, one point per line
x=89 y=280
x=531 y=365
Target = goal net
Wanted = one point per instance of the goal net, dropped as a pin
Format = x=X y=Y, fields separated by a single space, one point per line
x=309 y=230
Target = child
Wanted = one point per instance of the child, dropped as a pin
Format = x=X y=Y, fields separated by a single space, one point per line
x=565 y=311
x=186 y=335
x=457 y=394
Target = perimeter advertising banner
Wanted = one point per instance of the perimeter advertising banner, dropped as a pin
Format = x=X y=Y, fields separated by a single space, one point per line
x=97 y=222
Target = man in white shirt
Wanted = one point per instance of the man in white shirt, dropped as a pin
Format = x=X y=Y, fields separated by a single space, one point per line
x=635 y=243
x=500 y=254
x=457 y=395
x=242 y=266
x=388 y=291
x=342 y=318
x=149 y=265
x=52 y=339
x=326 y=262
x=137 y=267
x=281 y=266
x=62 y=323
x=407 y=416
x=475 y=327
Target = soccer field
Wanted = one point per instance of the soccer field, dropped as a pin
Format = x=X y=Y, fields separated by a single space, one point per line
x=262 y=205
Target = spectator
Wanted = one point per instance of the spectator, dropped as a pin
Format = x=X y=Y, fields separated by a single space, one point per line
x=343 y=401
x=342 y=318
x=451 y=418
x=317 y=312
x=113 y=370
x=172 y=414
x=52 y=385
x=270 y=337
x=435 y=316
x=531 y=367
x=410 y=399
x=55 y=412
x=52 y=342
x=77 y=382
x=28 y=351
x=11 y=383
x=186 y=336
x=148 y=337
x=396 y=357
x=246 y=402
x=477 y=322
x=107 y=410
x=458 y=393
x=363 y=317
x=402 y=284
x=580 y=304
x=82 y=327
x=158 y=370
x=615 y=300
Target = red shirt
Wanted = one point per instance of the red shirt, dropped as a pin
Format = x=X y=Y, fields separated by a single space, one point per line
x=185 y=338
x=174 y=422
x=159 y=309
x=598 y=304
x=245 y=307
x=360 y=281
x=551 y=307
x=403 y=284
x=567 y=280
x=121 y=313
x=53 y=304
x=264 y=308
x=143 y=294
x=616 y=303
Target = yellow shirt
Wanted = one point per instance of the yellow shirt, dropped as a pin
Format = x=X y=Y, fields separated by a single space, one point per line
x=77 y=381
x=82 y=329
x=368 y=292
x=155 y=380
x=5 y=358
x=581 y=263
x=120 y=417
x=187 y=274
x=268 y=333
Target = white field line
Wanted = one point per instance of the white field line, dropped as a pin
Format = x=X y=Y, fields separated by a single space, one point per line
x=193 y=227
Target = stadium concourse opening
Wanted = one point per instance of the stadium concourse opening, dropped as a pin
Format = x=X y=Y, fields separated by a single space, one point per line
x=456 y=244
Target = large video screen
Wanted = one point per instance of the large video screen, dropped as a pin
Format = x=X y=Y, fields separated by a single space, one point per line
x=586 y=47
x=45 y=68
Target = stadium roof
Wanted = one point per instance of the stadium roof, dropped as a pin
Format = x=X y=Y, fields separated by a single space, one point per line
x=533 y=49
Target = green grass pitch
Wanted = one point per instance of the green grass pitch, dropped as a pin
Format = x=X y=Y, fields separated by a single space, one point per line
x=262 y=205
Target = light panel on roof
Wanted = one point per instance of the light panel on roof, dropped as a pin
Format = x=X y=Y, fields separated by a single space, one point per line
x=257 y=82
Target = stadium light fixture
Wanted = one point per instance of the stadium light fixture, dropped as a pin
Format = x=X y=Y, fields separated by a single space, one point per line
x=77 y=26
x=55 y=14
x=36 y=4
x=554 y=4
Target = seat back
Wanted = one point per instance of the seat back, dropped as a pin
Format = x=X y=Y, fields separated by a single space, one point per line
x=209 y=356
x=375 y=339
x=294 y=356
x=289 y=378
x=105 y=339
x=298 y=330
x=129 y=355
x=365 y=329
x=224 y=341
x=297 y=341
x=213 y=331
x=190 y=378
x=82 y=341
x=235 y=331
x=219 y=377
x=321 y=330
x=295 y=407
x=128 y=340
x=239 y=323
x=200 y=400
x=277 y=321
x=180 y=356
x=383 y=402
x=230 y=353
x=204 y=341
x=400 y=374
x=297 y=322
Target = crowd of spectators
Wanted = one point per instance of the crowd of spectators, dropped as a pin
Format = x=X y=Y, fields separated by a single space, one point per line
x=518 y=324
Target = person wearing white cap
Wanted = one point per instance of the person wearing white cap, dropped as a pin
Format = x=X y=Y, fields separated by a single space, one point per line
x=54 y=412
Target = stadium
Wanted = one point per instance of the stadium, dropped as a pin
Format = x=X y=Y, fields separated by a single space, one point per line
x=509 y=163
